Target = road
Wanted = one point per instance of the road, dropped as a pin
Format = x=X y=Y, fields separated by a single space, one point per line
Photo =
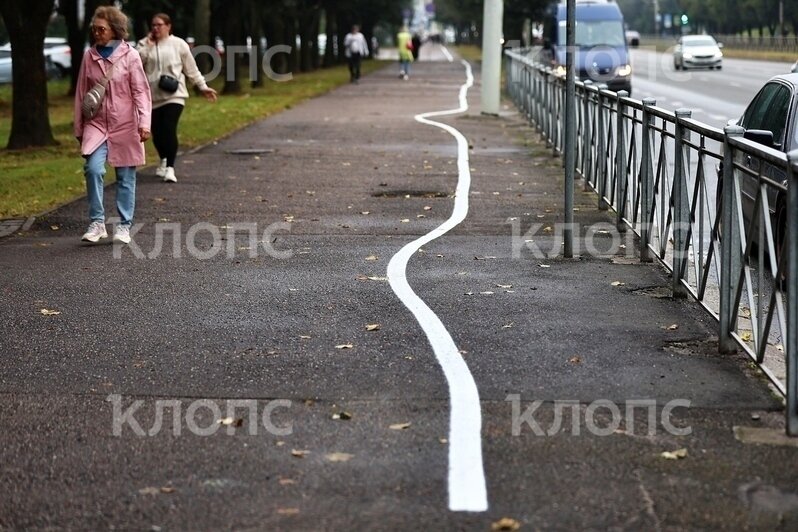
x=715 y=96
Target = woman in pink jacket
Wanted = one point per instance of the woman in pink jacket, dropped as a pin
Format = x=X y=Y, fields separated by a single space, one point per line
x=117 y=132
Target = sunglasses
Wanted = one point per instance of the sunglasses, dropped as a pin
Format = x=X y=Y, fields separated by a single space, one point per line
x=99 y=29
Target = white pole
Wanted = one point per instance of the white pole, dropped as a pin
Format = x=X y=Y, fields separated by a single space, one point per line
x=492 y=56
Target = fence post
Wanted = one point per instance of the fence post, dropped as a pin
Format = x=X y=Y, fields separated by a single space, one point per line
x=681 y=203
x=546 y=111
x=792 y=294
x=620 y=163
x=731 y=254
x=587 y=166
x=601 y=170
x=646 y=181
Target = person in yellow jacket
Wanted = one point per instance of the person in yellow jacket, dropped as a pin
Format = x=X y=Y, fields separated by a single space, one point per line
x=405 y=43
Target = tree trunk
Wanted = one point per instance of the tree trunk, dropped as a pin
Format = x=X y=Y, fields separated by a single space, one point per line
x=26 y=22
x=77 y=31
x=202 y=33
x=232 y=42
x=331 y=28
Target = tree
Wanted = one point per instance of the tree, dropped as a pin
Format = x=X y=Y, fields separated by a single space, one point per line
x=26 y=22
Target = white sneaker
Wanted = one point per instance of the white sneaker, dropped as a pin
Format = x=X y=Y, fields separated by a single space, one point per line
x=161 y=170
x=169 y=175
x=95 y=232
x=122 y=234
x=406 y=77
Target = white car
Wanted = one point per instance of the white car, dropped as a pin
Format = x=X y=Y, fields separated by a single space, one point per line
x=697 y=51
x=57 y=49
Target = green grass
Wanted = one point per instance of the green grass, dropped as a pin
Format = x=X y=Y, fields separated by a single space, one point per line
x=36 y=180
x=470 y=52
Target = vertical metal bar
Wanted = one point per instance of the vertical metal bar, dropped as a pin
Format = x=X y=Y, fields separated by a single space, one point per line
x=731 y=254
x=586 y=127
x=601 y=170
x=792 y=294
x=570 y=127
x=681 y=203
x=646 y=181
x=620 y=163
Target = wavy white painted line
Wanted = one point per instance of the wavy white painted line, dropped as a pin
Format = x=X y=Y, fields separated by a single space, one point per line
x=467 y=491
x=447 y=54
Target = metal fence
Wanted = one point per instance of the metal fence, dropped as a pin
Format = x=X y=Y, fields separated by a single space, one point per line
x=709 y=204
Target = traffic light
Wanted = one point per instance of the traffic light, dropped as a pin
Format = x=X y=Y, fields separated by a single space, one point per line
x=685 y=20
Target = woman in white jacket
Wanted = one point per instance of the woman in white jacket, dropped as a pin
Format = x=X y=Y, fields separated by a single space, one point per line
x=164 y=54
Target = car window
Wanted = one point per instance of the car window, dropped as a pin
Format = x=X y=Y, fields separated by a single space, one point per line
x=769 y=111
x=4 y=54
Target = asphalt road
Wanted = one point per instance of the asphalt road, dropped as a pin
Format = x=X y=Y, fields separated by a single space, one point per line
x=357 y=432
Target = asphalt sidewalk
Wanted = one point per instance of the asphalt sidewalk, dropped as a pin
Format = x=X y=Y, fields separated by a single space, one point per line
x=568 y=355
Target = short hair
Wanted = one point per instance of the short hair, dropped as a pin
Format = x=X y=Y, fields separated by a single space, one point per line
x=115 y=18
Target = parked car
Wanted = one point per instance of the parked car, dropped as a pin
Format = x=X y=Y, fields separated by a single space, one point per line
x=697 y=51
x=57 y=49
x=53 y=72
x=770 y=120
x=632 y=38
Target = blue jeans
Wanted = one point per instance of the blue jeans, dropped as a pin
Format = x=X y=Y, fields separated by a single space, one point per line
x=404 y=66
x=94 y=170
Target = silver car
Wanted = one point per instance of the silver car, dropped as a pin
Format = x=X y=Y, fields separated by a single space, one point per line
x=697 y=51
x=6 y=76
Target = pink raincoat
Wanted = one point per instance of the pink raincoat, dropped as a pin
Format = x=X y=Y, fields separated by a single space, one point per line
x=127 y=106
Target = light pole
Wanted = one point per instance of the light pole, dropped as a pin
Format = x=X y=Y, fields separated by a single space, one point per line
x=656 y=17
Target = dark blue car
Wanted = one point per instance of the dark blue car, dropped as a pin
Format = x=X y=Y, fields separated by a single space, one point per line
x=601 y=51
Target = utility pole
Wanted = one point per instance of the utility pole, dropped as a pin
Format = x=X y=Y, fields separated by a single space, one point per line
x=492 y=56
x=656 y=17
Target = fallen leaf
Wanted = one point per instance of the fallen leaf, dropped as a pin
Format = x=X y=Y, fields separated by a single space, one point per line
x=443 y=440
x=231 y=421
x=746 y=336
x=344 y=346
x=48 y=312
x=487 y=293
x=504 y=286
x=149 y=491
x=399 y=426
x=575 y=360
x=376 y=278
x=55 y=227
x=672 y=327
x=372 y=258
x=547 y=229
x=168 y=489
x=427 y=208
x=405 y=220
x=299 y=453
x=287 y=481
x=288 y=511
x=674 y=455
x=505 y=524
x=304 y=337
x=544 y=265
x=618 y=283
x=339 y=457
x=373 y=327
x=484 y=258
x=365 y=212
x=345 y=416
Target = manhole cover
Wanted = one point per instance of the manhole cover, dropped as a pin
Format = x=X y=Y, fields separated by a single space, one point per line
x=411 y=194
x=250 y=151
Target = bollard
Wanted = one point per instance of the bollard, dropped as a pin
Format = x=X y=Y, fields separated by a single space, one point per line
x=681 y=204
x=622 y=183
x=731 y=254
x=791 y=348
x=646 y=178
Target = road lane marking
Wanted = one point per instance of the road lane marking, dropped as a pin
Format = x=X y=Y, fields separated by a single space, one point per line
x=467 y=490
x=447 y=54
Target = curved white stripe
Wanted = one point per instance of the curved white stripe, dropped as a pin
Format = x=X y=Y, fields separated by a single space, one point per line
x=448 y=55
x=467 y=491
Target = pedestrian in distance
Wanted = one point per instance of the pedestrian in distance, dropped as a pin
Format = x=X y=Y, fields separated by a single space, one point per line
x=416 y=40
x=168 y=63
x=355 y=48
x=405 y=44
x=116 y=133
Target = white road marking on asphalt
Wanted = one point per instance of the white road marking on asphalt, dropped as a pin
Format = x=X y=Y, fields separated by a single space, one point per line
x=467 y=490
x=447 y=54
